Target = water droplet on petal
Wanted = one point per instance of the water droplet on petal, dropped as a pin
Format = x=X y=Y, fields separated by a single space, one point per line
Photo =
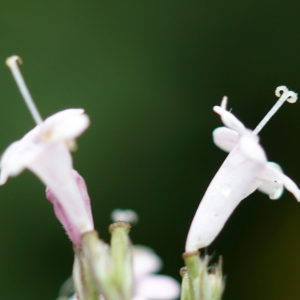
x=225 y=190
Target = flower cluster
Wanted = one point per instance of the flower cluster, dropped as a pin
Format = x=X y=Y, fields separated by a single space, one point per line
x=119 y=270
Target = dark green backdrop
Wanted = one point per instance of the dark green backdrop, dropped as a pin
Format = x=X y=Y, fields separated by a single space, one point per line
x=148 y=74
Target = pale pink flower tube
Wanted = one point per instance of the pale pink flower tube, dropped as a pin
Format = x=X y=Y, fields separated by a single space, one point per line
x=72 y=229
x=45 y=150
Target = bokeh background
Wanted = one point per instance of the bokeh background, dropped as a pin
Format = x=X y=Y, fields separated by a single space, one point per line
x=148 y=74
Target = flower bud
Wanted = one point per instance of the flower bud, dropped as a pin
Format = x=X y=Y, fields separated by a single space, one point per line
x=206 y=283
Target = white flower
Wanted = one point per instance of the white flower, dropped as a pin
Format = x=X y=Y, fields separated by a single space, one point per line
x=45 y=151
x=244 y=170
x=149 y=286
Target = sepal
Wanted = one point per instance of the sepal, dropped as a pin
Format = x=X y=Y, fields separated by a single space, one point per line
x=82 y=276
x=206 y=283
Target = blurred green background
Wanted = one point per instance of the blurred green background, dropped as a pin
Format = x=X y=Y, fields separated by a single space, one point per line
x=148 y=74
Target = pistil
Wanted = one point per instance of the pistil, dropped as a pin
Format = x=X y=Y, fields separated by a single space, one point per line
x=284 y=95
x=13 y=64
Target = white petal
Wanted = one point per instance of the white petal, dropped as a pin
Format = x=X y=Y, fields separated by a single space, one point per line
x=64 y=114
x=229 y=120
x=158 y=287
x=225 y=138
x=235 y=180
x=250 y=147
x=66 y=125
x=273 y=189
x=16 y=158
x=145 y=261
x=63 y=126
x=271 y=173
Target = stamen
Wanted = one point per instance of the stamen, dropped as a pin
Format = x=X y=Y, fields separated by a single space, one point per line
x=285 y=95
x=12 y=63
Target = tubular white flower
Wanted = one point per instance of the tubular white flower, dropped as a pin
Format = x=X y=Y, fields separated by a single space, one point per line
x=45 y=151
x=244 y=170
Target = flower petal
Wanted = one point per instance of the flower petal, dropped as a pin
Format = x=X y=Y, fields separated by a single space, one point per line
x=145 y=261
x=225 y=138
x=54 y=167
x=236 y=179
x=229 y=120
x=273 y=175
x=63 y=126
x=66 y=125
x=273 y=189
x=158 y=287
x=72 y=231
x=16 y=158
x=44 y=151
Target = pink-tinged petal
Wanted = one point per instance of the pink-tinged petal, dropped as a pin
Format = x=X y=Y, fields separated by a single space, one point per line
x=54 y=167
x=145 y=261
x=73 y=231
x=158 y=287
x=225 y=138
x=235 y=180
x=44 y=151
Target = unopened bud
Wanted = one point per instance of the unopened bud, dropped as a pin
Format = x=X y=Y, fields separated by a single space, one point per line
x=206 y=283
x=121 y=252
x=185 y=285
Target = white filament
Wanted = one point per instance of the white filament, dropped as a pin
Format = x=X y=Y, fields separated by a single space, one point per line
x=12 y=63
x=285 y=95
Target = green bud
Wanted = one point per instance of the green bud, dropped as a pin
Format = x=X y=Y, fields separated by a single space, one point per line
x=121 y=252
x=111 y=267
x=99 y=260
x=83 y=279
x=185 y=285
x=206 y=283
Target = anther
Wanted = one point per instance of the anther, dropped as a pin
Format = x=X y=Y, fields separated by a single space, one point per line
x=285 y=95
x=12 y=62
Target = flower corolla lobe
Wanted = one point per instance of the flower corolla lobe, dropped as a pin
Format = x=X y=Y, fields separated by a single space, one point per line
x=45 y=151
x=62 y=127
x=245 y=169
